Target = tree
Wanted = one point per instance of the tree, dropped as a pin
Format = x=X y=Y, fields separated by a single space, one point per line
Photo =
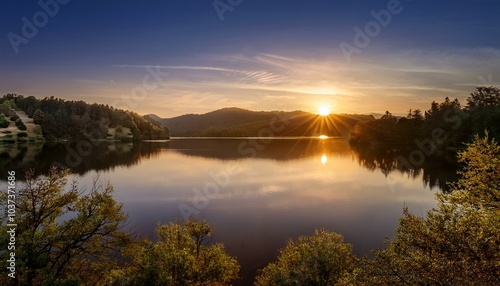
x=14 y=116
x=38 y=116
x=320 y=259
x=20 y=124
x=458 y=242
x=180 y=257
x=4 y=123
x=6 y=109
x=416 y=115
x=389 y=117
x=63 y=236
x=484 y=96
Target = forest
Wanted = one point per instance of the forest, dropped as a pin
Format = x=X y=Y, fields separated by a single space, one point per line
x=448 y=124
x=77 y=120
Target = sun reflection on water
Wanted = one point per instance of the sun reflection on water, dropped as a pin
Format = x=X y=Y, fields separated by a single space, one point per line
x=324 y=159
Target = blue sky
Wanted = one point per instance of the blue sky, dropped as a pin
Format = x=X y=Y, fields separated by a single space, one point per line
x=263 y=55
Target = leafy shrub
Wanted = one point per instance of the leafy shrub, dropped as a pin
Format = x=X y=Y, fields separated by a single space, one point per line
x=321 y=259
x=6 y=132
x=22 y=134
x=14 y=117
x=3 y=122
x=20 y=124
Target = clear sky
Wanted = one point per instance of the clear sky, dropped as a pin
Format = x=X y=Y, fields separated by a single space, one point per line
x=172 y=57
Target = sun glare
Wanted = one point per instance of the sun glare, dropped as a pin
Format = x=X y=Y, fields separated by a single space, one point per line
x=324 y=110
x=324 y=159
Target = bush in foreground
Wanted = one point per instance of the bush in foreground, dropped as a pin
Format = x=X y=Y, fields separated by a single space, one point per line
x=457 y=243
x=320 y=259
x=63 y=236
x=180 y=257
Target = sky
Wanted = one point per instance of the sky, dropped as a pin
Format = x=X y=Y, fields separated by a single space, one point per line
x=173 y=57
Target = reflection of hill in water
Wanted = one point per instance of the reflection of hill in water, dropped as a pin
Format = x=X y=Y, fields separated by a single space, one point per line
x=79 y=158
x=436 y=171
x=273 y=149
x=105 y=156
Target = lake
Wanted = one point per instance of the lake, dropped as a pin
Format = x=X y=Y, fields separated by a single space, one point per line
x=256 y=193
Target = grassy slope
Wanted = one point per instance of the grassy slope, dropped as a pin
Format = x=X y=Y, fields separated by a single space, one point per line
x=14 y=130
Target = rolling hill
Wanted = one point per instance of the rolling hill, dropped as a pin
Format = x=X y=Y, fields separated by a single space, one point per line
x=234 y=122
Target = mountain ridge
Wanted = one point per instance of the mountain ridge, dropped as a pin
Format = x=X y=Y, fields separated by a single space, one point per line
x=235 y=121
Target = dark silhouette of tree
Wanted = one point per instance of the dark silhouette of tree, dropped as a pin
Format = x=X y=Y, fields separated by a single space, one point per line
x=38 y=116
x=448 y=124
x=484 y=96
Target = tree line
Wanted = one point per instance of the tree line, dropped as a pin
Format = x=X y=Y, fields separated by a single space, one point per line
x=454 y=123
x=77 y=120
x=68 y=237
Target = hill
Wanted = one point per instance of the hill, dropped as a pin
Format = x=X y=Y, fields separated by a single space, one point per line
x=57 y=119
x=233 y=122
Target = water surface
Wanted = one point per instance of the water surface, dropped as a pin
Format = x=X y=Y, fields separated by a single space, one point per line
x=260 y=192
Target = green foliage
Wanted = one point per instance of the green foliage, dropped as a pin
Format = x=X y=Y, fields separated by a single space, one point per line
x=6 y=109
x=4 y=123
x=20 y=124
x=480 y=183
x=64 y=236
x=9 y=101
x=458 y=242
x=320 y=259
x=22 y=134
x=180 y=257
x=77 y=120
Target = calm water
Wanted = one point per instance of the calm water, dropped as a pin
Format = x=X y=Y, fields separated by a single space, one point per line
x=262 y=193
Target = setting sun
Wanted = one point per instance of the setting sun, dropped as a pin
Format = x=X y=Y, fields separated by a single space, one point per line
x=324 y=110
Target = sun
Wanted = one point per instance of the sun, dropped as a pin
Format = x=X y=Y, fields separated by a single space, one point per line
x=324 y=110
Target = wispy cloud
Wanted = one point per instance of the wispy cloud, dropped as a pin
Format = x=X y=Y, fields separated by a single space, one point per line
x=392 y=81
